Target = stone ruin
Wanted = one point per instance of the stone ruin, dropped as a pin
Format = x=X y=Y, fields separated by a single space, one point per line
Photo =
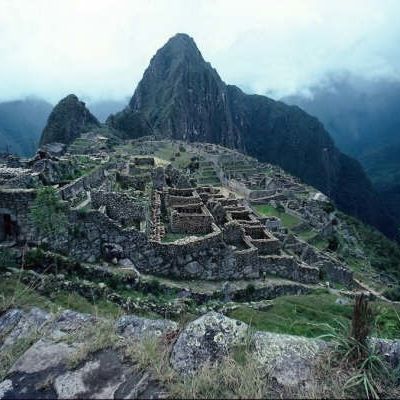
x=125 y=207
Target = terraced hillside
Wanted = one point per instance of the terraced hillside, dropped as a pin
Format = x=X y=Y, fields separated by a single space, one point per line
x=174 y=233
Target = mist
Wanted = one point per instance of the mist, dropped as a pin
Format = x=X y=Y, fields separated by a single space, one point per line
x=361 y=115
x=99 y=49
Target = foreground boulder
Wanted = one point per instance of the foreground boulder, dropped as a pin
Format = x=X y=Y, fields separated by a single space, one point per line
x=17 y=324
x=134 y=327
x=206 y=340
x=290 y=360
x=44 y=370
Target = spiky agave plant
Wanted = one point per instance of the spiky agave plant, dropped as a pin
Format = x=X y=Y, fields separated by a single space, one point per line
x=354 y=352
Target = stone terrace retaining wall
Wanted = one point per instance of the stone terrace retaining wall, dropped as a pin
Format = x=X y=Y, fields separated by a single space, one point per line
x=332 y=269
x=288 y=267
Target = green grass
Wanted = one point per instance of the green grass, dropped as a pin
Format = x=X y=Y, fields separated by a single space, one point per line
x=307 y=315
x=382 y=256
x=15 y=293
x=318 y=242
x=168 y=150
x=307 y=234
x=288 y=220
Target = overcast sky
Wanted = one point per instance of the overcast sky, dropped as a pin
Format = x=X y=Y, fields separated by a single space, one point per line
x=98 y=49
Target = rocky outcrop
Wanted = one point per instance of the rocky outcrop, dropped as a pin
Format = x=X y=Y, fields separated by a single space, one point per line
x=67 y=121
x=44 y=370
x=290 y=360
x=134 y=327
x=182 y=97
x=206 y=340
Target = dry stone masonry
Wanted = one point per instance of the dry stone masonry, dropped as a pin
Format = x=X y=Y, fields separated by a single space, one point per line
x=135 y=210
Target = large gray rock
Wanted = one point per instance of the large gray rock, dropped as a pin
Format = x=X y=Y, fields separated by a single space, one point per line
x=43 y=355
x=134 y=327
x=70 y=321
x=43 y=372
x=289 y=360
x=8 y=321
x=98 y=378
x=29 y=323
x=389 y=349
x=206 y=340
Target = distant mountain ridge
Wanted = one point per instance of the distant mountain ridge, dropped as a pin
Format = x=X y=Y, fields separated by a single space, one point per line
x=364 y=121
x=21 y=124
x=181 y=96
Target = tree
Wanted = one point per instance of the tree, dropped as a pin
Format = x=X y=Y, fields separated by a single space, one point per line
x=48 y=213
x=280 y=208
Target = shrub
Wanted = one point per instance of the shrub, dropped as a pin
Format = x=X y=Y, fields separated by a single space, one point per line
x=333 y=243
x=7 y=259
x=48 y=213
x=370 y=375
x=328 y=207
x=250 y=289
x=35 y=257
x=392 y=293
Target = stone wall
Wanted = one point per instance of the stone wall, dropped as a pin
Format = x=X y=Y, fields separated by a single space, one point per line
x=207 y=257
x=288 y=267
x=16 y=203
x=86 y=182
x=264 y=241
x=332 y=269
x=120 y=206
x=90 y=234
x=175 y=178
x=191 y=219
x=137 y=182
x=147 y=161
x=233 y=232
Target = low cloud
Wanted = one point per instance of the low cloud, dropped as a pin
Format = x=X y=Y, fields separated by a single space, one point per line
x=99 y=49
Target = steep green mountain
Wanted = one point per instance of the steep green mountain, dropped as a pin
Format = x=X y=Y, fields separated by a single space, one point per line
x=67 y=121
x=21 y=124
x=383 y=165
x=364 y=121
x=181 y=96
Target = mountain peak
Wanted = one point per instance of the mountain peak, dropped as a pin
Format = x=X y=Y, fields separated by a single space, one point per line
x=67 y=121
x=178 y=48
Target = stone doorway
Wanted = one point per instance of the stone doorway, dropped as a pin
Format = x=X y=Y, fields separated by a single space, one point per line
x=8 y=228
